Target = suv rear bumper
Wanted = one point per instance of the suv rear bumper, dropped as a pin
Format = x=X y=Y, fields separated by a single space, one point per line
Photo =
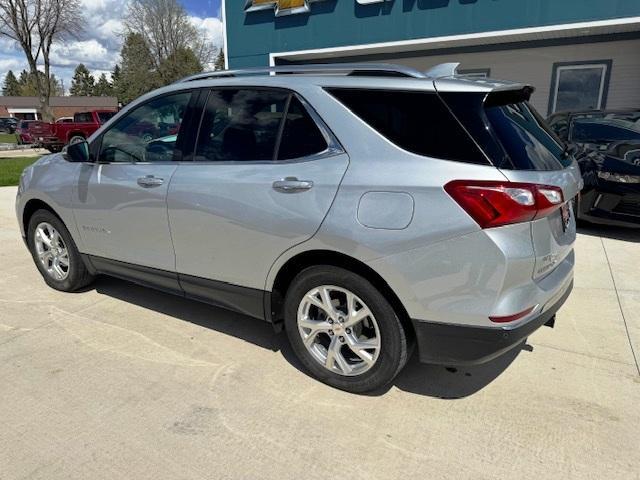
x=455 y=345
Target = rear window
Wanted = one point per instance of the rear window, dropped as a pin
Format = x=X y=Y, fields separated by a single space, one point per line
x=526 y=138
x=509 y=130
x=415 y=121
x=104 y=117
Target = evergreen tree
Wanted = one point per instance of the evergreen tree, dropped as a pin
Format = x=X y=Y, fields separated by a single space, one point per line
x=56 y=86
x=24 y=83
x=137 y=74
x=220 y=60
x=179 y=64
x=102 y=87
x=11 y=87
x=29 y=86
x=82 y=83
x=116 y=81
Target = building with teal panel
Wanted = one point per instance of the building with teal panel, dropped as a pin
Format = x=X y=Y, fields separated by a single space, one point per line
x=578 y=54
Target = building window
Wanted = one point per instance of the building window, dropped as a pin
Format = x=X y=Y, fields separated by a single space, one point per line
x=579 y=86
x=475 y=72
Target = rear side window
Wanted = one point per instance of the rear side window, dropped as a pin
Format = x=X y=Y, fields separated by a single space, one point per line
x=256 y=125
x=240 y=125
x=415 y=121
x=300 y=136
x=84 y=117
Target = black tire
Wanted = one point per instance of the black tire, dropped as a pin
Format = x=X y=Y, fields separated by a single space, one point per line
x=78 y=276
x=394 y=344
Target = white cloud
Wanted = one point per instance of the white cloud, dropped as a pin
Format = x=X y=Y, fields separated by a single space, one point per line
x=212 y=27
x=96 y=74
x=90 y=52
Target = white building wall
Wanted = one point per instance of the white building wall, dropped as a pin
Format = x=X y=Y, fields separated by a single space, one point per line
x=535 y=66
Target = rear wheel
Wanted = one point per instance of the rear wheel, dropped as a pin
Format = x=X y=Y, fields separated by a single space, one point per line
x=55 y=253
x=343 y=329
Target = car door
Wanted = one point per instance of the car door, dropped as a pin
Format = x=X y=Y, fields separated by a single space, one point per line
x=120 y=201
x=265 y=171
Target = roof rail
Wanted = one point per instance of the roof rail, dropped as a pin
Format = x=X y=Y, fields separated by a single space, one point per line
x=373 y=69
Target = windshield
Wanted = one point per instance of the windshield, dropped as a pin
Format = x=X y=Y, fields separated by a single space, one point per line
x=527 y=140
x=594 y=130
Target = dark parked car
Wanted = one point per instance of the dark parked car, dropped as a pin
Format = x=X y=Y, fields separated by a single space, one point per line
x=607 y=147
x=8 y=124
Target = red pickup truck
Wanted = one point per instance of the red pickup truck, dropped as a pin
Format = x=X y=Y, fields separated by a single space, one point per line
x=54 y=136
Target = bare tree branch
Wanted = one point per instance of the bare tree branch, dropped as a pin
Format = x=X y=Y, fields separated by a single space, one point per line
x=36 y=25
x=167 y=29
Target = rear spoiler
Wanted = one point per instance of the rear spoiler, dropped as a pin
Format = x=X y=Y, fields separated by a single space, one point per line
x=498 y=98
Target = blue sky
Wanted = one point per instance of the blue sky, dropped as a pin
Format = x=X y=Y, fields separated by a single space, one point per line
x=99 y=45
x=202 y=8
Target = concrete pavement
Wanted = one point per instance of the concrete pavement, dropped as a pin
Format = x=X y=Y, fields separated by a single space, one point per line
x=25 y=152
x=124 y=382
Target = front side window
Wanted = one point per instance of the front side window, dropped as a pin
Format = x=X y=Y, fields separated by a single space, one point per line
x=256 y=125
x=148 y=133
x=580 y=87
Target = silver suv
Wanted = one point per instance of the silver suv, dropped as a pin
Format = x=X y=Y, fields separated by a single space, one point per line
x=363 y=208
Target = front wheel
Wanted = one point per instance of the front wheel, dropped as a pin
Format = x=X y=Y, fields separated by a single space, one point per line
x=55 y=253
x=344 y=330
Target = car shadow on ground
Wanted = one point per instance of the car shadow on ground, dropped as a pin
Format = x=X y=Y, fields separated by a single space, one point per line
x=429 y=380
x=614 y=233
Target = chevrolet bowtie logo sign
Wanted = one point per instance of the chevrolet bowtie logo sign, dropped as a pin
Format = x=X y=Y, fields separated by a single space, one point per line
x=289 y=7
x=282 y=7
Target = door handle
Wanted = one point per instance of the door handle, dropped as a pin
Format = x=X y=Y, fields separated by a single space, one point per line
x=150 y=181
x=292 y=185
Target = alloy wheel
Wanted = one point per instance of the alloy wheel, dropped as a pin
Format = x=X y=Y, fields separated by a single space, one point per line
x=51 y=251
x=339 y=330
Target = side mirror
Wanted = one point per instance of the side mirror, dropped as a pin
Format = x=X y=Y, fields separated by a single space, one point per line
x=78 y=152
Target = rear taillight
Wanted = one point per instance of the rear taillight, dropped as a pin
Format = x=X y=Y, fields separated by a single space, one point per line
x=492 y=204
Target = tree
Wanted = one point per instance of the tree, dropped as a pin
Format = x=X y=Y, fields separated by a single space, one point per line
x=166 y=30
x=11 y=87
x=56 y=86
x=102 y=87
x=82 y=82
x=36 y=25
x=181 y=63
x=137 y=73
x=116 y=81
x=28 y=84
x=220 y=60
